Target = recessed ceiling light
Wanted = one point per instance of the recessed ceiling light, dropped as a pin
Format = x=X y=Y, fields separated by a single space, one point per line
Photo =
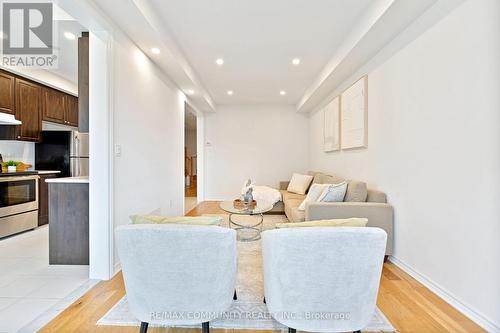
x=190 y=91
x=219 y=61
x=229 y=92
x=69 y=35
x=282 y=93
x=296 y=61
x=155 y=50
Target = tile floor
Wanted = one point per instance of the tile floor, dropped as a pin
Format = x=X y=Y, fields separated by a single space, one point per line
x=29 y=286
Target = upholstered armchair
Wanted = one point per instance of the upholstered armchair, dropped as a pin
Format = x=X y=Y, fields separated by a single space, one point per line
x=177 y=274
x=323 y=279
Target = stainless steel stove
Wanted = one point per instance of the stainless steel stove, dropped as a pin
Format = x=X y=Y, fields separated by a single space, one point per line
x=18 y=202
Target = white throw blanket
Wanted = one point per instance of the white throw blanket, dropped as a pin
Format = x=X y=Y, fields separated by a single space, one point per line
x=263 y=193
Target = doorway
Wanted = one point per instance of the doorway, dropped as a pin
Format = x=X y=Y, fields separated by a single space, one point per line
x=190 y=159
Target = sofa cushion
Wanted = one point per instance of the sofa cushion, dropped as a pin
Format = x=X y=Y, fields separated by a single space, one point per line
x=356 y=191
x=314 y=193
x=350 y=222
x=299 y=183
x=193 y=220
x=376 y=196
x=298 y=215
x=321 y=178
x=292 y=210
x=285 y=195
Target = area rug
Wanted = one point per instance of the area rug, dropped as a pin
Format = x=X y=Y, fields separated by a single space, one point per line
x=248 y=312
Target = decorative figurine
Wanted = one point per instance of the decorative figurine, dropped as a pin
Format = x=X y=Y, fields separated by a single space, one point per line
x=248 y=196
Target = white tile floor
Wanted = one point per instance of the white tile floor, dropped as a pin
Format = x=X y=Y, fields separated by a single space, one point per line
x=29 y=286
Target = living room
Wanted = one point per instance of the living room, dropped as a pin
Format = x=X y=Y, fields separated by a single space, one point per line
x=414 y=159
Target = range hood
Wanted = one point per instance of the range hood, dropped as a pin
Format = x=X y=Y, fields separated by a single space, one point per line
x=8 y=119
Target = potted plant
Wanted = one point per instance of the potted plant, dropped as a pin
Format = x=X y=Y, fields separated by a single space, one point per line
x=12 y=166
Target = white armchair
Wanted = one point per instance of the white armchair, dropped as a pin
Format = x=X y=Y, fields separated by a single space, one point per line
x=323 y=279
x=177 y=274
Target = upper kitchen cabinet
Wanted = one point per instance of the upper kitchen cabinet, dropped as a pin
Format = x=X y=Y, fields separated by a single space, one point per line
x=53 y=105
x=59 y=107
x=28 y=109
x=7 y=86
x=71 y=110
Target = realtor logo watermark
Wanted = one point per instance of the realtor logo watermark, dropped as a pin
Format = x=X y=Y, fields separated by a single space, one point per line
x=28 y=35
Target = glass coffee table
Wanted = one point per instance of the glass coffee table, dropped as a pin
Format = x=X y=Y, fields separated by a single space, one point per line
x=247 y=232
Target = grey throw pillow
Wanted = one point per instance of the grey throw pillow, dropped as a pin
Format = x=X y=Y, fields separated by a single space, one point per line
x=356 y=191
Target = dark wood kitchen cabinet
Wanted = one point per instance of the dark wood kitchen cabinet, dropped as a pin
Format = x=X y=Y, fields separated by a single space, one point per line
x=53 y=105
x=58 y=107
x=28 y=110
x=71 y=110
x=31 y=102
x=7 y=86
x=43 y=198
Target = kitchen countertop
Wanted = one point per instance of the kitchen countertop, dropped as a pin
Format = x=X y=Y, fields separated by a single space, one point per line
x=47 y=172
x=69 y=180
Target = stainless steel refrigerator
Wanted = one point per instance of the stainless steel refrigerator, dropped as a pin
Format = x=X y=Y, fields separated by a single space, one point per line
x=79 y=154
x=65 y=151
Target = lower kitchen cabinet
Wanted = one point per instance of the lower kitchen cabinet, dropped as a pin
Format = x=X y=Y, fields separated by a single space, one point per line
x=69 y=223
x=43 y=198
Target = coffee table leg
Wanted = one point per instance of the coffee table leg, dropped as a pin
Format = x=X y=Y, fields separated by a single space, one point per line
x=256 y=227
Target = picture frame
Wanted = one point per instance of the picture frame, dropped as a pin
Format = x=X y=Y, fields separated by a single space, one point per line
x=331 y=126
x=354 y=119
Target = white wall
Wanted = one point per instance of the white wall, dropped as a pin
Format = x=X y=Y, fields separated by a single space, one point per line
x=18 y=151
x=434 y=144
x=148 y=124
x=200 y=160
x=266 y=144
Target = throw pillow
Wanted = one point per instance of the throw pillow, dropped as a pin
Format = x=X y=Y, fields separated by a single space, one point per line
x=333 y=193
x=299 y=183
x=356 y=191
x=314 y=193
x=193 y=220
x=351 y=222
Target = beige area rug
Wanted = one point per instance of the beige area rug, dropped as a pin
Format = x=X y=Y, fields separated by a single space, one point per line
x=249 y=311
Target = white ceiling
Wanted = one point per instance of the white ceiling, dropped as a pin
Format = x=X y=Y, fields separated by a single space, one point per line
x=68 y=50
x=258 y=39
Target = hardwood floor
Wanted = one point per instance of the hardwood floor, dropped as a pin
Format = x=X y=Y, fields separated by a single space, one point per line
x=191 y=190
x=409 y=305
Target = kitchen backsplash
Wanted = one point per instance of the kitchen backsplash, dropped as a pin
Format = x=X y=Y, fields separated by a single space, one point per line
x=18 y=151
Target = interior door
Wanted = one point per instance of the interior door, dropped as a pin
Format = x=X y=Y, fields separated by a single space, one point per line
x=28 y=110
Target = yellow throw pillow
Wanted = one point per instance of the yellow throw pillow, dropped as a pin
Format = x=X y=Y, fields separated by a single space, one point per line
x=193 y=220
x=352 y=222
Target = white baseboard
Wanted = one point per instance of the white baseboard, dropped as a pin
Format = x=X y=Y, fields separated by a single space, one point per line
x=448 y=297
x=117 y=268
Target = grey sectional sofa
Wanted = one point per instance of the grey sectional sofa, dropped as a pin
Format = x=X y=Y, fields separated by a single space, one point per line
x=359 y=201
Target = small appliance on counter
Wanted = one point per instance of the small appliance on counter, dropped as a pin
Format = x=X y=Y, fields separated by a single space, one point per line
x=67 y=151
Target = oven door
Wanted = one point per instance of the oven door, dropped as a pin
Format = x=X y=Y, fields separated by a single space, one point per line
x=18 y=194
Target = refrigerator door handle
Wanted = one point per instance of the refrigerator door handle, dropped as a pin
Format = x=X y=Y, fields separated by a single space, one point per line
x=77 y=143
